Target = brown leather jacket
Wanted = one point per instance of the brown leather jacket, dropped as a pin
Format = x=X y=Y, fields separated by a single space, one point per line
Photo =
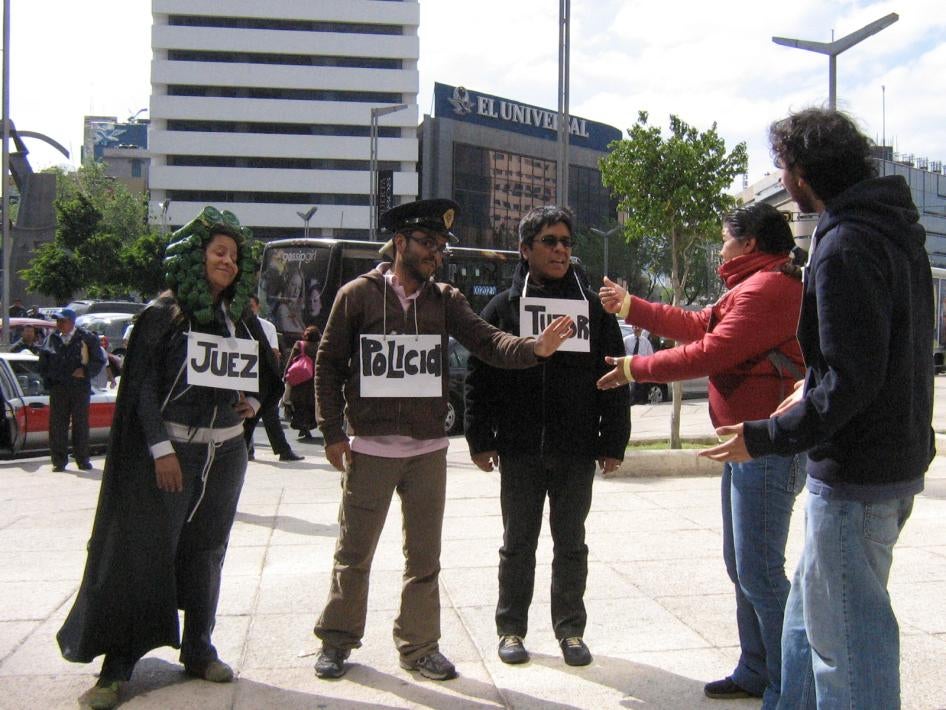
x=365 y=305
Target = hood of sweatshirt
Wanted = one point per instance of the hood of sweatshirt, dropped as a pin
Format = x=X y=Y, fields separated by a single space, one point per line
x=885 y=206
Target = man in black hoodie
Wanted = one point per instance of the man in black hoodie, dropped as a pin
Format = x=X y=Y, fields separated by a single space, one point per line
x=863 y=414
x=545 y=427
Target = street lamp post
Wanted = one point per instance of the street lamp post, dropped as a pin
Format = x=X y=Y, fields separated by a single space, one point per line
x=564 y=38
x=5 y=169
x=605 y=236
x=306 y=216
x=376 y=113
x=834 y=48
x=164 y=204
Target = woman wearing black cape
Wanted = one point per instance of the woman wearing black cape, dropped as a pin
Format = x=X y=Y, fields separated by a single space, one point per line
x=174 y=469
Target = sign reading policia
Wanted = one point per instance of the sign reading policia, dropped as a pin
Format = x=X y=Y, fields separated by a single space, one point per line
x=227 y=363
x=401 y=365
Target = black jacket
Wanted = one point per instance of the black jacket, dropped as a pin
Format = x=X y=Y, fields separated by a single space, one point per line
x=128 y=599
x=866 y=331
x=554 y=407
x=58 y=360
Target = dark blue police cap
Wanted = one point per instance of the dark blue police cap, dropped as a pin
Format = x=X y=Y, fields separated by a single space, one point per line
x=436 y=215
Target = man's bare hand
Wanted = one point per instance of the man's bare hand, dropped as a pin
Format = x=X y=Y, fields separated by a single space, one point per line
x=612 y=295
x=794 y=398
x=486 y=460
x=167 y=474
x=339 y=454
x=244 y=408
x=79 y=373
x=554 y=335
x=608 y=465
x=730 y=451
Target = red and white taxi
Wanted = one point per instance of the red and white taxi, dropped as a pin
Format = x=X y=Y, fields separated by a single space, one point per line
x=24 y=428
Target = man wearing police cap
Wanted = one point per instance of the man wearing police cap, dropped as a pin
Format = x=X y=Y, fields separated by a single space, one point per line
x=381 y=365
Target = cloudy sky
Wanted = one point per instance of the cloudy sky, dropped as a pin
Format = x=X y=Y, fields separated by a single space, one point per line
x=705 y=62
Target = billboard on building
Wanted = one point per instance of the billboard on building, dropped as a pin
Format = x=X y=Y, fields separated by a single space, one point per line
x=461 y=104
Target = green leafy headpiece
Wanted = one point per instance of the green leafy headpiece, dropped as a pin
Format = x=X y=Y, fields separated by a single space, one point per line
x=185 y=269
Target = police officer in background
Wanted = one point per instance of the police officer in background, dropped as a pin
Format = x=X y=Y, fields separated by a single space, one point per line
x=68 y=361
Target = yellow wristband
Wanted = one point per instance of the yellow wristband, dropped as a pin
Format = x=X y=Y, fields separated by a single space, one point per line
x=626 y=366
x=625 y=306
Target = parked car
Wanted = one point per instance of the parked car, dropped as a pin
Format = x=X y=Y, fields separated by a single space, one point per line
x=43 y=327
x=82 y=307
x=24 y=428
x=111 y=325
x=655 y=393
x=457 y=355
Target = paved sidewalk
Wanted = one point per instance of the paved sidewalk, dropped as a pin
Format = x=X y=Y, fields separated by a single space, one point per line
x=661 y=609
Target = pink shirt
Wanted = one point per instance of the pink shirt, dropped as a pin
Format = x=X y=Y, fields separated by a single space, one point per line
x=394 y=446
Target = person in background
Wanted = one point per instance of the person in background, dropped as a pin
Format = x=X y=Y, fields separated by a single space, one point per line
x=545 y=428
x=397 y=426
x=269 y=415
x=175 y=467
x=301 y=396
x=746 y=343
x=108 y=374
x=68 y=361
x=28 y=341
x=863 y=413
x=18 y=310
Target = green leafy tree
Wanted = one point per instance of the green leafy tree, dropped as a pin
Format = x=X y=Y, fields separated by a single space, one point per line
x=103 y=234
x=673 y=188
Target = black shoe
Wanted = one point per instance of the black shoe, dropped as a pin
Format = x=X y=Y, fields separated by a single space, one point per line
x=85 y=465
x=434 y=666
x=726 y=689
x=304 y=436
x=290 y=456
x=331 y=662
x=574 y=651
x=58 y=469
x=512 y=650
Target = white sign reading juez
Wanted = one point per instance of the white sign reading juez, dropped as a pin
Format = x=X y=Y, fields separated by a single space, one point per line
x=536 y=313
x=227 y=363
x=401 y=366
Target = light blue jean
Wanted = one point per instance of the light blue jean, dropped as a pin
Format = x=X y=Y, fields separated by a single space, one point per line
x=841 y=641
x=758 y=497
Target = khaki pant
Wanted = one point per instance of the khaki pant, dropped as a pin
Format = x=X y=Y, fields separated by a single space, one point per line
x=367 y=488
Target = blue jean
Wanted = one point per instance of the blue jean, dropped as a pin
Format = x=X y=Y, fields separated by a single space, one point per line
x=758 y=497
x=841 y=641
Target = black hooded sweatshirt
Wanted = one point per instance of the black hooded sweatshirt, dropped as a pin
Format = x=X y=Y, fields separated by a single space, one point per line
x=866 y=332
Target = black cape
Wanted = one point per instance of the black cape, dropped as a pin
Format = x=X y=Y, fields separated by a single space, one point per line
x=127 y=601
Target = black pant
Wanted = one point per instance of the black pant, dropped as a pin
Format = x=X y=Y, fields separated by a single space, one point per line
x=201 y=545
x=67 y=402
x=526 y=480
x=274 y=430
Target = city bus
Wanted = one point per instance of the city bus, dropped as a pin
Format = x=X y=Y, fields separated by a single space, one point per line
x=300 y=277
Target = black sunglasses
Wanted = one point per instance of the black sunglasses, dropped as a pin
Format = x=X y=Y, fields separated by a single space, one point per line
x=550 y=241
x=429 y=243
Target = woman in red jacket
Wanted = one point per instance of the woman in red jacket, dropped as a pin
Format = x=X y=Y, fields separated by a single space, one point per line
x=746 y=344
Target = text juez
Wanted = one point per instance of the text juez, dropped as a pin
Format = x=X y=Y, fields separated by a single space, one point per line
x=228 y=363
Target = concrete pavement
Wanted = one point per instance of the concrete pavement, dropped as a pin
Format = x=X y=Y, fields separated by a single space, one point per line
x=660 y=607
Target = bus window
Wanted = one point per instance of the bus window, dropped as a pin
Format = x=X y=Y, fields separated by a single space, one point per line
x=292 y=279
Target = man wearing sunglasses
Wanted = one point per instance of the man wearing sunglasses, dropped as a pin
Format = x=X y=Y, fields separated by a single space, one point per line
x=545 y=428
x=380 y=366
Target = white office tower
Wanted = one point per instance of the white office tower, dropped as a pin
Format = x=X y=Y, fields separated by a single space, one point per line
x=264 y=108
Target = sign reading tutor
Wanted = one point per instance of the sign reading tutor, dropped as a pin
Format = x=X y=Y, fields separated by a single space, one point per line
x=536 y=313
x=462 y=104
x=227 y=363
x=401 y=365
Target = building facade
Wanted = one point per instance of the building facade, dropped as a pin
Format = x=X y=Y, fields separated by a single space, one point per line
x=927 y=182
x=264 y=109
x=497 y=158
x=121 y=146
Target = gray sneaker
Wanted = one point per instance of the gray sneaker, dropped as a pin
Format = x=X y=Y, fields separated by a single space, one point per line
x=434 y=665
x=331 y=662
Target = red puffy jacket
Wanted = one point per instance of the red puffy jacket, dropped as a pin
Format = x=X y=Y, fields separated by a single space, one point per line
x=730 y=340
